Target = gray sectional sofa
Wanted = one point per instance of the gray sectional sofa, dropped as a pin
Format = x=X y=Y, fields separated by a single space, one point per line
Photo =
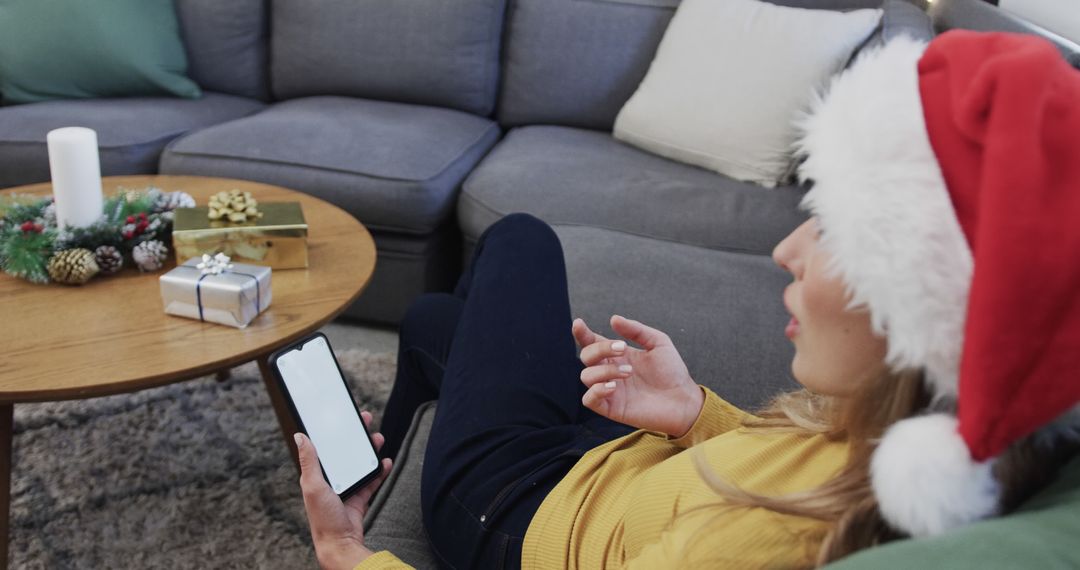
x=429 y=121
x=425 y=120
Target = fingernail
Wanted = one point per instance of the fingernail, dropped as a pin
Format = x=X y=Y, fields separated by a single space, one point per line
x=626 y=368
x=299 y=440
x=618 y=346
x=609 y=384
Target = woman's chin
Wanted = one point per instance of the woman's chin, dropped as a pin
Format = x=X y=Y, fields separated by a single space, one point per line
x=798 y=369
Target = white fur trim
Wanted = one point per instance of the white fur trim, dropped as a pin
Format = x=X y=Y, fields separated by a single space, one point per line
x=925 y=480
x=887 y=219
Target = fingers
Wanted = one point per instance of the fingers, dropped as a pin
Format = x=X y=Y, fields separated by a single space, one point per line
x=598 y=397
x=376 y=438
x=596 y=352
x=646 y=336
x=583 y=335
x=311 y=478
x=362 y=497
x=605 y=373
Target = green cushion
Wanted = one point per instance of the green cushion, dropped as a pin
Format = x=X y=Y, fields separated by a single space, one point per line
x=68 y=49
x=1044 y=533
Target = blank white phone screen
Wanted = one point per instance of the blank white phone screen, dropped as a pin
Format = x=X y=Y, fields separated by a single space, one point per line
x=320 y=397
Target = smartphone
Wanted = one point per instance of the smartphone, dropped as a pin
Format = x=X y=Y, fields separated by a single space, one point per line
x=322 y=406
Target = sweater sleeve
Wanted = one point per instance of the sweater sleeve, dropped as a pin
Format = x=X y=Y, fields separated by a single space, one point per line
x=717 y=416
x=382 y=560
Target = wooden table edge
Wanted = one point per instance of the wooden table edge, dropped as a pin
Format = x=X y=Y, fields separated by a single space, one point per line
x=157 y=381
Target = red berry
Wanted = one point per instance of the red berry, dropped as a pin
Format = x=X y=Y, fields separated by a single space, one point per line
x=128 y=235
x=142 y=215
x=131 y=219
x=39 y=227
x=27 y=226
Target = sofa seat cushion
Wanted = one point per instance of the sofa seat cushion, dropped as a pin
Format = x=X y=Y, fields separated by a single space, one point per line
x=572 y=176
x=131 y=132
x=724 y=311
x=395 y=522
x=396 y=167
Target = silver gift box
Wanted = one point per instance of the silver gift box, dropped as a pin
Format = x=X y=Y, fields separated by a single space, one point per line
x=234 y=297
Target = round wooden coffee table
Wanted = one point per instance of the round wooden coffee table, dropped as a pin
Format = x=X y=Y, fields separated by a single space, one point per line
x=112 y=334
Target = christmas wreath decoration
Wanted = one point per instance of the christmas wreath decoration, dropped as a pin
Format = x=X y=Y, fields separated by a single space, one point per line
x=135 y=226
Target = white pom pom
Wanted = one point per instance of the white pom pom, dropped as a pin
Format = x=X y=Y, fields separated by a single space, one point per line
x=925 y=480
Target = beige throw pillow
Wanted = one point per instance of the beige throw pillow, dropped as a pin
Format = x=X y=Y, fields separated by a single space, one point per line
x=729 y=79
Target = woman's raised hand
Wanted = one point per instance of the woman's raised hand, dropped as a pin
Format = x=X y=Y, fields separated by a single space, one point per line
x=647 y=388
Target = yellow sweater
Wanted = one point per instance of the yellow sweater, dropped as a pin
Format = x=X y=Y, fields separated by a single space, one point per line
x=631 y=503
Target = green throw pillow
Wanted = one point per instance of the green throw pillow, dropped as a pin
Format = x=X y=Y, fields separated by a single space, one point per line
x=65 y=49
x=1043 y=533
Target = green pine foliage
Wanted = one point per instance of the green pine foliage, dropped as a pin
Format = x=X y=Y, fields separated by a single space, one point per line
x=18 y=212
x=90 y=237
x=22 y=207
x=26 y=254
x=127 y=203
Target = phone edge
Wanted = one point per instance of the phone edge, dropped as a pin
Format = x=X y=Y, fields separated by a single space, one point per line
x=272 y=365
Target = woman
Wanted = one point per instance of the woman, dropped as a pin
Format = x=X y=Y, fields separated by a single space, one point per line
x=930 y=279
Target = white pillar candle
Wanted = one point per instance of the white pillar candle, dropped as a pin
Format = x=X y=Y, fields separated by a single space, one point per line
x=76 y=176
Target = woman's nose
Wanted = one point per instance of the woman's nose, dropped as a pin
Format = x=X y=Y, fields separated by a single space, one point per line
x=786 y=253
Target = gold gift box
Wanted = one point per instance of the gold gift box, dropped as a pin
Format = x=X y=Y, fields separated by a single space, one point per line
x=278 y=239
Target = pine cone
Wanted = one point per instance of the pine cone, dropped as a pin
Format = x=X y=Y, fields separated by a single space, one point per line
x=169 y=201
x=109 y=259
x=150 y=255
x=73 y=266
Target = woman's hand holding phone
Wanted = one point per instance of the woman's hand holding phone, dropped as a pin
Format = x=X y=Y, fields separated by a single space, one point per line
x=337 y=527
x=648 y=388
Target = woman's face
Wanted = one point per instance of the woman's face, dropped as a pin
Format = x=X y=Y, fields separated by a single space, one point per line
x=836 y=350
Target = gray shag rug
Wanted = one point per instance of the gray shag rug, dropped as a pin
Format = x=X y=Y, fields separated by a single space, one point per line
x=191 y=475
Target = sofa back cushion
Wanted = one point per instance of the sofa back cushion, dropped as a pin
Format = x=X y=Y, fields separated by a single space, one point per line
x=899 y=18
x=984 y=17
x=576 y=62
x=430 y=52
x=226 y=43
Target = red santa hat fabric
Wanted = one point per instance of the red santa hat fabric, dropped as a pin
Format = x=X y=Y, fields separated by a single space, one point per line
x=947 y=184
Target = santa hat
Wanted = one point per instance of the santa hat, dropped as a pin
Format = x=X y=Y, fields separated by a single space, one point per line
x=947 y=187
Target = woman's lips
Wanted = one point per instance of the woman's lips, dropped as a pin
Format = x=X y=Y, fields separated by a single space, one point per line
x=792 y=328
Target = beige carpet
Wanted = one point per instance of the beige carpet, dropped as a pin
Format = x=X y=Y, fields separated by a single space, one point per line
x=193 y=475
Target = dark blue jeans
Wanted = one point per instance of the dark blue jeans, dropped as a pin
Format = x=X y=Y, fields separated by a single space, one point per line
x=499 y=356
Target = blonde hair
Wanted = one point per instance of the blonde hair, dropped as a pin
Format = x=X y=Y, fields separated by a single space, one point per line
x=846 y=502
